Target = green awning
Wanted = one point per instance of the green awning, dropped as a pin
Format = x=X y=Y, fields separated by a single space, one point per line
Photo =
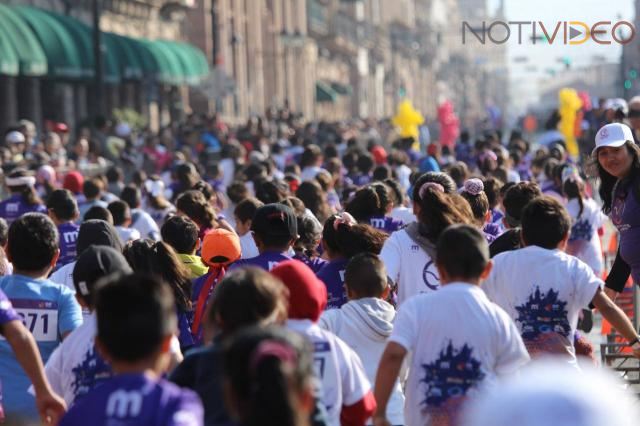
x=341 y=89
x=324 y=93
x=60 y=49
x=9 y=62
x=26 y=49
x=129 y=62
x=192 y=60
x=169 y=66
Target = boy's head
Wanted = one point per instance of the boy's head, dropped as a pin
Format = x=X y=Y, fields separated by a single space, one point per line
x=131 y=195
x=275 y=227
x=462 y=255
x=135 y=319
x=244 y=212
x=120 y=212
x=516 y=197
x=97 y=212
x=366 y=276
x=545 y=223
x=62 y=206
x=245 y=297
x=92 y=188
x=181 y=233
x=220 y=247
x=94 y=263
x=33 y=244
x=96 y=232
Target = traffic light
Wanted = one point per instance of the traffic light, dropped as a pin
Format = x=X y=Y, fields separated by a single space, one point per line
x=627 y=84
x=633 y=73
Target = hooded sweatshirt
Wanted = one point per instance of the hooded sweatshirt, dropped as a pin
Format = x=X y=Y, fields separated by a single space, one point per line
x=344 y=388
x=365 y=324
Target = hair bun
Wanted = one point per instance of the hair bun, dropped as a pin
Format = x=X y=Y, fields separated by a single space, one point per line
x=473 y=186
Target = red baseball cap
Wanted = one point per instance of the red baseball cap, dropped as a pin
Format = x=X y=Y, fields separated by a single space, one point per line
x=307 y=294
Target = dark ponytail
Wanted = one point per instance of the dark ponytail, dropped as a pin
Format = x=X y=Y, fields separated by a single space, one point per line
x=194 y=204
x=574 y=188
x=158 y=258
x=266 y=370
x=347 y=239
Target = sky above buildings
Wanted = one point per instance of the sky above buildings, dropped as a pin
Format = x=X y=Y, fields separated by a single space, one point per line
x=544 y=57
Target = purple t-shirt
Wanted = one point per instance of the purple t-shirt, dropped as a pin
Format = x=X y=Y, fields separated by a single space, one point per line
x=267 y=261
x=386 y=223
x=15 y=206
x=68 y=237
x=332 y=275
x=7 y=313
x=625 y=215
x=135 y=399
x=315 y=263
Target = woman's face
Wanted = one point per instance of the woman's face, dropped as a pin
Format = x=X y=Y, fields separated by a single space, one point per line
x=615 y=160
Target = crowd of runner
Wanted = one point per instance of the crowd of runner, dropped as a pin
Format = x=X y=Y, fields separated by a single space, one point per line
x=292 y=274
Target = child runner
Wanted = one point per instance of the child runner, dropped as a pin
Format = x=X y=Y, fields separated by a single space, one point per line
x=551 y=287
x=135 y=322
x=246 y=297
x=268 y=378
x=140 y=219
x=366 y=321
x=219 y=249
x=343 y=238
x=181 y=233
x=409 y=254
x=459 y=341
x=473 y=192
x=49 y=310
x=275 y=229
x=23 y=199
x=371 y=205
x=346 y=392
x=63 y=210
x=243 y=218
x=121 y=214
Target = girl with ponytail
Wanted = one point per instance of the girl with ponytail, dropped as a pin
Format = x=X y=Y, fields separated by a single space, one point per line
x=473 y=192
x=268 y=378
x=159 y=259
x=586 y=218
x=194 y=205
x=342 y=238
x=372 y=205
x=23 y=199
x=409 y=254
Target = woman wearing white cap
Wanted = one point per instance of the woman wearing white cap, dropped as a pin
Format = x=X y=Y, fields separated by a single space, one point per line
x=618 y=164
x=23 y=199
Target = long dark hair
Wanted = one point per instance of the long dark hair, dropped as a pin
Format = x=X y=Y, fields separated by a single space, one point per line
x=372 y=200
x=348 y=240
x=574 y=188
x=440 y=205
x=315 y=199
x=608 y=181
x=194 y=204
x=158 y=258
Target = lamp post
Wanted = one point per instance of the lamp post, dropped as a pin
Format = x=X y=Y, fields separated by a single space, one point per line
x=97 y=55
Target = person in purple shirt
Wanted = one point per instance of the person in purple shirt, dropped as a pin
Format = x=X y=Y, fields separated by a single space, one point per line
x=23 y=199
x=371 y=205
x=275 y=229
x=63 y=210
x=135 y=322
x=343 y=238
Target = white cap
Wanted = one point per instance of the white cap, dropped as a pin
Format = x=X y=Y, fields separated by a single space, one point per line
x=553 y=392
x=616 y=104
x=614 y=135
x=14 y=137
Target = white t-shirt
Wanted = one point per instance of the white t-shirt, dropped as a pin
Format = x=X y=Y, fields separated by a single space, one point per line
x=342 y=378
x=248 y=246
x=584 y=242
x=74 y=368
x=409 y=266
x=543 y=291
x=404 y=214
x=144 y=223
x=459 y=342
x=64 y=275
x=127 y=234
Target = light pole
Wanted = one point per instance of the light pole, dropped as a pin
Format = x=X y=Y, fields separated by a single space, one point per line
x=97 y=56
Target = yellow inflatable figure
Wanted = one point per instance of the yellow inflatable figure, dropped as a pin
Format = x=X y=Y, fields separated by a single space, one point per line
x=569 y=105
x=408 y=120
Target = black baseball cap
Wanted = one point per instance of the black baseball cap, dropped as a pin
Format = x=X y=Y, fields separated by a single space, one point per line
x=94 y=263
x=276 y=220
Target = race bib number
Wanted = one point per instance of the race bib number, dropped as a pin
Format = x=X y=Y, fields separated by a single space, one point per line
x=40 y=317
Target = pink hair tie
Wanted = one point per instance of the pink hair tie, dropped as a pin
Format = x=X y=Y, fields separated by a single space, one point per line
x=344 y=218
x=429 y=185
x=473 y=186
x=272 y=348
x=488 y=154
